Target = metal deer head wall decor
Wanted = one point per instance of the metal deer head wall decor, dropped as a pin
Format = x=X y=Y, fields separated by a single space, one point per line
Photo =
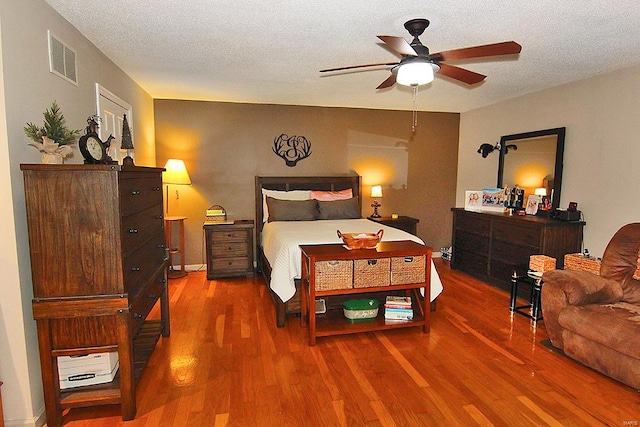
x=291 y=148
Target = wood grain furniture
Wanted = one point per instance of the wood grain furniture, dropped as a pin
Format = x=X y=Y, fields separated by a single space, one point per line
x=492 y=245
x=98 y=265
x=289 y=183
x=169 y=222
x=405 y=223
x=229 y=249
x=333 y=322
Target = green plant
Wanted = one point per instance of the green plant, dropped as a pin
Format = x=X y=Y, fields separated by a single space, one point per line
x=54 y=128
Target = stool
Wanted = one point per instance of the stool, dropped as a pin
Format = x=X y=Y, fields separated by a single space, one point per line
x=533 y=309
x=169 y=221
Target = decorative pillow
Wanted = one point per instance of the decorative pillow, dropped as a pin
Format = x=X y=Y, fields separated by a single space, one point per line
x=329 y=196
x=339 y=209
x=292 y=210
x=636 y=275
x=281 y=195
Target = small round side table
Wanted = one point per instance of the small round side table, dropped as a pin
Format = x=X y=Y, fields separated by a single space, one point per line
x=169 y=222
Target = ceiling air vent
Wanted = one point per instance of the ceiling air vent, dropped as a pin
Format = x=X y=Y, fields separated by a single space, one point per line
x=62 y=60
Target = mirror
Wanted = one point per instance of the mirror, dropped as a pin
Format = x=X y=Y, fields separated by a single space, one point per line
x=533 y=160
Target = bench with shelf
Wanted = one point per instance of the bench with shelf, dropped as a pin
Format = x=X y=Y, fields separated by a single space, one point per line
x=333 y=322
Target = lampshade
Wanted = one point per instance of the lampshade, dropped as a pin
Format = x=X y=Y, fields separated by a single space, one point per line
x=376 y=191
x=415 y=73
x=541 y=191
x=175 y=173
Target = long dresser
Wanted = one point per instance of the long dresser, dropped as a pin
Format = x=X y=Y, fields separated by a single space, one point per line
x=492 y=245
x=98 y=263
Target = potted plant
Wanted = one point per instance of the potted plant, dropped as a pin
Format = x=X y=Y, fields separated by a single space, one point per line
x=53 y=139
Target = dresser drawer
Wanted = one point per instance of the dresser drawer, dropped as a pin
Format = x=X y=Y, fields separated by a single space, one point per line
x=140 y=193
x=145 y=300
x=516 y=233
x=229 y=236
x=140 y=265
x=230 y=249
x=473 y=224
x=141 y=226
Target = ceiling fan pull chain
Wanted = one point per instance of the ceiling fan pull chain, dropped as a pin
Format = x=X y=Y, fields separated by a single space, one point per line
x=414 y=125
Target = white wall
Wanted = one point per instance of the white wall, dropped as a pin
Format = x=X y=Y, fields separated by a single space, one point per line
x=602 y=149
x=27 y=90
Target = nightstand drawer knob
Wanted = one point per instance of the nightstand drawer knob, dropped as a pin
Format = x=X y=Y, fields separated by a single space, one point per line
x=135 y=268
x=135 y=192
x=133 y=230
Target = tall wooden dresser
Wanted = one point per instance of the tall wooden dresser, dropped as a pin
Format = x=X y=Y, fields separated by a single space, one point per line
x=98 y=263
x=492 y=245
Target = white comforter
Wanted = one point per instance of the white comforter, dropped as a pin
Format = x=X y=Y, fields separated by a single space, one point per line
x=281 y=240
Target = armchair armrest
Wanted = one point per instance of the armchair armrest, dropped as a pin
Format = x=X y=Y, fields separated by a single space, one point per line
x=583 y=287
x=562 y=288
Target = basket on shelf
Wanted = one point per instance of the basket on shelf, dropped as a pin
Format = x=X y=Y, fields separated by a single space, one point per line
x=369 y=273
x=361 y=240
x=335 y=274
x=581 y=262
x=542 y=263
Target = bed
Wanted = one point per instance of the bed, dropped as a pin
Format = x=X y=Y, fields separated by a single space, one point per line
x=278 y=241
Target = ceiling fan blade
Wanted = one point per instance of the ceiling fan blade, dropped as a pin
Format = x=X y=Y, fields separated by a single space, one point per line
x=350 y=67
x=461 y=74
x=504 y=48
x=391 y=80
x=399 y=44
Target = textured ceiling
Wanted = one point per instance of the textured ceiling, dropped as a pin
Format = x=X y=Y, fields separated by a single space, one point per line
x=270 y=51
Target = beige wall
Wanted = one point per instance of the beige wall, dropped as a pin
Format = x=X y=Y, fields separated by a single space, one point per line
x=225 y=145
x=29 y=88
x=601 y=147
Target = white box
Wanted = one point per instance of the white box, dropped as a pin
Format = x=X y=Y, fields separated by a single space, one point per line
x=87 y=369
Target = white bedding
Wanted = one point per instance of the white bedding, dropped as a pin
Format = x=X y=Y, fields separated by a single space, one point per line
x=281 y=240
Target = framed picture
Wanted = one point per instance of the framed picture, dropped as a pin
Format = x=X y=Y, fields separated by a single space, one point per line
x=545 y=204
x=493 y=199
x=532 y=204
x=473 y=200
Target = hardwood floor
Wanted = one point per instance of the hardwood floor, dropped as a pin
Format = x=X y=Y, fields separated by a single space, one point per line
x=226 y=363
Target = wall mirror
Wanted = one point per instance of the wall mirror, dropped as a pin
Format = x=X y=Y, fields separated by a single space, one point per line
x=533 y=160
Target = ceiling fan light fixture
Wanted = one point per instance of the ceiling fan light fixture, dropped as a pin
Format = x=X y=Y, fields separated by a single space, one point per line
x=416 y=73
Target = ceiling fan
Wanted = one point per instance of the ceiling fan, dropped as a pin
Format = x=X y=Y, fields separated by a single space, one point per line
x=417 y=66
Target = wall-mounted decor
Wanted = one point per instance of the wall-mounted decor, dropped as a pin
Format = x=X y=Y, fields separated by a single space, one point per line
x=291 y=148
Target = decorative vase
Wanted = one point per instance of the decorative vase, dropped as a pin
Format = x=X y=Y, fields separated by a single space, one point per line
x=52 y=158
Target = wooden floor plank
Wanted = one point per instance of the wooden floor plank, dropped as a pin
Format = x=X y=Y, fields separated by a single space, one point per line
x=227 y=364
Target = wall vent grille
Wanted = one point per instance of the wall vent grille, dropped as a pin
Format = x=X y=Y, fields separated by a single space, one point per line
x=62 y=60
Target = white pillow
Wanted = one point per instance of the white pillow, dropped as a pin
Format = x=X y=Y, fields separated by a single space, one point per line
x=282 y=195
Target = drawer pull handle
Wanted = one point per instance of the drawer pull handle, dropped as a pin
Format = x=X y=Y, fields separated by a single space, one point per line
x=229 y=235
x=151 y=296
x=372 y=261
x=159 y=217
x=137 y=315
x=156 y=189
x=230 y=262
x=229 y=248
x=161 y=245
x=135 y=268
x=135 y=192
x=133 y=230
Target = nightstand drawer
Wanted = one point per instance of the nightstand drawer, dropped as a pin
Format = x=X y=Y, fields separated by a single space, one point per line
x=229 y=236
x=231 y=249
x=230 y=265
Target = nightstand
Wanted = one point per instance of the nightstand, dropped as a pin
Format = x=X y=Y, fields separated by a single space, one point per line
x=405 y=223
x=229 y=249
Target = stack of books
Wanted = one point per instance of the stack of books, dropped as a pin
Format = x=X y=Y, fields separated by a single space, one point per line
x=398 y=308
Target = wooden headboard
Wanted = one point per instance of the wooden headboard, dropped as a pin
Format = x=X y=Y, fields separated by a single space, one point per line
x=288 y=183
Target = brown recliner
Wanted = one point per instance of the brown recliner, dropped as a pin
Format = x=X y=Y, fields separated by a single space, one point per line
x=596 y=319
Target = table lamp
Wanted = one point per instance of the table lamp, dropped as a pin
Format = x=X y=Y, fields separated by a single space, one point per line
x=376 y=193
x=175 y=173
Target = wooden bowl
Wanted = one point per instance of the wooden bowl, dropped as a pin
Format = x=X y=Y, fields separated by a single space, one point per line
x=361 y=240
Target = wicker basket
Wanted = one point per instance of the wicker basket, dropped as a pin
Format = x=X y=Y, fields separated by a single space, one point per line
x=580 y=262
x=541 y=263
x=331 y=275
x=409 y=269
x=368 y=273
x=361 y=240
